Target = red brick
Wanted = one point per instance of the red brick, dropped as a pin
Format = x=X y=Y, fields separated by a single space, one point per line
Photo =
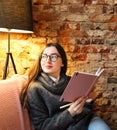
x=65 y=30
x=73 y=1
x=97 y=40
x=79 y=57
x=113 y=18
x=87 y=2
x=76 y=9
x=48 y=16
x=89 y=49
x=77 y=49
x=102 y=18
x=77 y=33
x=83 y=41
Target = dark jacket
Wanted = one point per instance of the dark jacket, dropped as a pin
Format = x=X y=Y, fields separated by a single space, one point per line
x=44 y=106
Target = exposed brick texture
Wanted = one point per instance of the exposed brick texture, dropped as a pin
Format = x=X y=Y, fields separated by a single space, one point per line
x=87 y=29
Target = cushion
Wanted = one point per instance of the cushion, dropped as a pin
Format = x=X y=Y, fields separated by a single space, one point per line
x=12 y=115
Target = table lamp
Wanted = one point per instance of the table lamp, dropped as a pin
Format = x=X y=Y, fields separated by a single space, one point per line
x=15 y=17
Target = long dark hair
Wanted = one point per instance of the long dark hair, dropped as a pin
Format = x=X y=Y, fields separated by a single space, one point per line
x=36 y=70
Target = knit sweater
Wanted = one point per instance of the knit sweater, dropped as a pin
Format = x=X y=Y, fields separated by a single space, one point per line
x=44 y=106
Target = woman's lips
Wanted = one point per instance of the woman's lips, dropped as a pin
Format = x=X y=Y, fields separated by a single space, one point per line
x=48 y=67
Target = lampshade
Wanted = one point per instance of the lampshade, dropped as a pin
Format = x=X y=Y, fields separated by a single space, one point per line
x=16 y=16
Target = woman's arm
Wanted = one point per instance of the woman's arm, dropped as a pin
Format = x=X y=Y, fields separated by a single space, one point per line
x=40 y=116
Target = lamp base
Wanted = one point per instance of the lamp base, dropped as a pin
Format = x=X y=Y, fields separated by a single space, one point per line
x=9 y=55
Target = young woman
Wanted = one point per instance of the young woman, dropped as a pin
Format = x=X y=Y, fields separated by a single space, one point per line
x=47 y=81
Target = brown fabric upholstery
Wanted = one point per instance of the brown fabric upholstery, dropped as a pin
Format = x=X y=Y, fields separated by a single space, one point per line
x=12 y=116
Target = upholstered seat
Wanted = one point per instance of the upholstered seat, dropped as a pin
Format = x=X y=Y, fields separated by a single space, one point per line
x=12 y=115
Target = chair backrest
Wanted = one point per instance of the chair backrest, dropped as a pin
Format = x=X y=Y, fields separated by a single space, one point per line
x=12 y=115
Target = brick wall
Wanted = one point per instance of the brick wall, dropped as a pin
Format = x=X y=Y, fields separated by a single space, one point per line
x=87 y=29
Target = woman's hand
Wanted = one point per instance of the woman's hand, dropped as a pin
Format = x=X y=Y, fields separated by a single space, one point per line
x=77 y=106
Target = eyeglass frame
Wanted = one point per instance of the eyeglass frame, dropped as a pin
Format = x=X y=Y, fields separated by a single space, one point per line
x=50 y=57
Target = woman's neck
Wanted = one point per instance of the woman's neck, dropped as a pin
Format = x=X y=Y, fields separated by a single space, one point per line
x=54 y=78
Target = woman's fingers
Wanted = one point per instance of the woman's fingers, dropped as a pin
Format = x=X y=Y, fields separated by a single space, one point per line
x=77 y=106
x=79 y=100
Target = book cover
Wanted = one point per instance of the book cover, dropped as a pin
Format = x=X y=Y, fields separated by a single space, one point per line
x=80 y=84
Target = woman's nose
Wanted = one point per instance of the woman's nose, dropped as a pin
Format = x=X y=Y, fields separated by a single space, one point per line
x=48 y=59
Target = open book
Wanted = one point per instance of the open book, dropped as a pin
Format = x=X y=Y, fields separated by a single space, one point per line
x=80 y=84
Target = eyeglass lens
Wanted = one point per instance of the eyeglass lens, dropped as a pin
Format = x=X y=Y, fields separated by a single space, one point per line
x=52 y=57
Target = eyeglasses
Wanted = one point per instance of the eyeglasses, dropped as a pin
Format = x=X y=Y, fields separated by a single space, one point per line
x=52 y=57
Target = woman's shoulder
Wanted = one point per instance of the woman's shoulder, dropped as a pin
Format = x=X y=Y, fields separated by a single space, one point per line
x=34 y=86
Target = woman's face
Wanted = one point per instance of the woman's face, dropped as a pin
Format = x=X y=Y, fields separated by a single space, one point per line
x=51 y=62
